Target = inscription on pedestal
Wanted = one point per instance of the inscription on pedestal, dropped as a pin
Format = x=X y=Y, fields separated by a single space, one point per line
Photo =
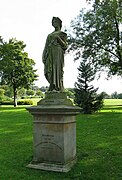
x=48 y=142
x=47 y=137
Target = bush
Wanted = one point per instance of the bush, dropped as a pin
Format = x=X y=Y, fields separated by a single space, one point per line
x=5 y=98
x=6 y=102
x=20 y=102
x=31 y=97
x=25 y=102
x=2 y=91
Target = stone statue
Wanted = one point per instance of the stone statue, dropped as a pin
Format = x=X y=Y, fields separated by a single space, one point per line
x=53 y=56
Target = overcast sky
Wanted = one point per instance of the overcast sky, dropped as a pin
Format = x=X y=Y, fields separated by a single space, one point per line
x=30 y=21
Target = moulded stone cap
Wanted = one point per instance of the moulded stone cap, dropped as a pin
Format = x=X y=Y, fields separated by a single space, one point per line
x=54 y=109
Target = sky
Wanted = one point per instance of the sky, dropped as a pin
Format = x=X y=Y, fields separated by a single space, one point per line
x=30 y=21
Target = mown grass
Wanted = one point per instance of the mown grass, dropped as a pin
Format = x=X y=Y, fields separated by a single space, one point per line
x=98 y=146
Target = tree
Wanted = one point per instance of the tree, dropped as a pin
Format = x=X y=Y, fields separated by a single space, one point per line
x=8 y=90
x=30 y=92
x=105 y=95
x=120 y=96
x=39 y=93
x=21 y=92
x=2 y=91
x=96 y=35
x=85 y=94
x=114 y=95
x=16 y=68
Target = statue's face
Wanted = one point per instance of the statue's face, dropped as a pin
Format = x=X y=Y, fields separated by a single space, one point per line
x=55 y=22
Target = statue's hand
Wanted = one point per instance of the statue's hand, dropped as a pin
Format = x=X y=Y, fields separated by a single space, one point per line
x=56 y=36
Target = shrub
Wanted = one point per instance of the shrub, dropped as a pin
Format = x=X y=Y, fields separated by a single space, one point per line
x=2 y=91
x=5 y=98
x=6 y=102
x=25 y=102
x=31 y=97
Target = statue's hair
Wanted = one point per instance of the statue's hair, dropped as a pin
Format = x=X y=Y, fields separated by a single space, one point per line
x=59 y=20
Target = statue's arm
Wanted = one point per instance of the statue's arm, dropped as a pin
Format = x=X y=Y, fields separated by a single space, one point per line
x=62 y=42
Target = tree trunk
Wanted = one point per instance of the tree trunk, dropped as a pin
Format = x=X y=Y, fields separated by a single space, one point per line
x=15 y=97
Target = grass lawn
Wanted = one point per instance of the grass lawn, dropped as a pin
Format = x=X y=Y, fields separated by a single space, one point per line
x=98 y=146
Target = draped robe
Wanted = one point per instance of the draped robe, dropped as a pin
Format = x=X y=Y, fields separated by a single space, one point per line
x=53 y=59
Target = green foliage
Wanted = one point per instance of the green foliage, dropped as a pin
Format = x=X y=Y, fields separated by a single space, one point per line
x=25 y=102
x=120 y=96
x=30 y=92
x=85 y=94
x=16 y=69
x=22 y=92
x=97 y=35
x=114 y=95
x=20 y=102
x=4 y=99
x=39 y=93
x=70 y=93
x=105 y=95
x=6 y=102
x=2 y=91
x=8 y=91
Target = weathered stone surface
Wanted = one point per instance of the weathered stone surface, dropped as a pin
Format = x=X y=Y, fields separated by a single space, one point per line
x=55 y=98
x=54 y=137
x=53 y=167
x=54 y=109
x=53 y=56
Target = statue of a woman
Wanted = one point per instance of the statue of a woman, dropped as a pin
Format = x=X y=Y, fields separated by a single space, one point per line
x=53 y=56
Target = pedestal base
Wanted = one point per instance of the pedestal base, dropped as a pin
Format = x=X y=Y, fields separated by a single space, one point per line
x=52 y=167
x=54 y=144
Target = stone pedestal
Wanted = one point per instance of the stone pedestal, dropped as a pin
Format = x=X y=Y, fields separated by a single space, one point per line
x=54 y=146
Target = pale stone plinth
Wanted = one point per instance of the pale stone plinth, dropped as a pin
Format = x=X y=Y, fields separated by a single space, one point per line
x=54 y=135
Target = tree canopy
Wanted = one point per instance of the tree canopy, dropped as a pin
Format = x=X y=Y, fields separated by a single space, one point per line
x=16 y=68
x=96 y=35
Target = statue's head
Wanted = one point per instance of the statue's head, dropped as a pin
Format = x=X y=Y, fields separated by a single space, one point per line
x=56 y=21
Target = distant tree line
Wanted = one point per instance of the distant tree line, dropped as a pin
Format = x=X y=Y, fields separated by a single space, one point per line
x=36 y=91
x=116 y=95
x=7 y=91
